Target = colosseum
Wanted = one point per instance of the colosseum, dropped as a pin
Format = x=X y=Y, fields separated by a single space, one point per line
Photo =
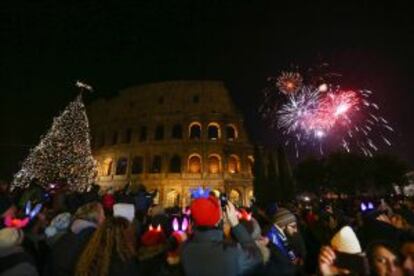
x=173 y=137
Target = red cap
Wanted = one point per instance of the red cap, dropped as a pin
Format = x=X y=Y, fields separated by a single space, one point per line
x=205 y=211
x=108 y=201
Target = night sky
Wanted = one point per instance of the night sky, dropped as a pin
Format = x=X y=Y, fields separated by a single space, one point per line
x=45 y=46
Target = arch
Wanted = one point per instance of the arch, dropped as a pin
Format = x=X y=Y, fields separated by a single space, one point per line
x=250 y=196
x=231 y=132
x=233 y=164
x=194 y=163
x=214 y=163
x=175 y=164
x=156 y=165
x=177 y=131
x=250 y=163
x=172 y=198
x=137 y=165
x=159 y=133
x=121 y=166
x=106 y=167
x=235 y=197
x=143 y=134
x=128 y=136
x=213 y=131
x=194 y=130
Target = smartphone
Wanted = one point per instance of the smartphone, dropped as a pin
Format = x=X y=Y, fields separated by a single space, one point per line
x=223 y=200
x=357 y=264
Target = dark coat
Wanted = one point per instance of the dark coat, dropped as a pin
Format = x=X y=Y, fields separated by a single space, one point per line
x=208 y=254
x=14 y=261
x=119 y=267
x=65 y=252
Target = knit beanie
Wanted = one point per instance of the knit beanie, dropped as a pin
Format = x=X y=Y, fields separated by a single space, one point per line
x=283 y=217
x=205 y=211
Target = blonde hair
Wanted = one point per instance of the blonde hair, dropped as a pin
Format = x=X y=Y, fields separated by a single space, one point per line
x=114 y=236
x=90 y=212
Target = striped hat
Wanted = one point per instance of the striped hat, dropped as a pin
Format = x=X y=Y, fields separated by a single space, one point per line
x=283 y=217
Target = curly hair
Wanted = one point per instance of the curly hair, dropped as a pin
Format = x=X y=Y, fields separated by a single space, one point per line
x=113 y=237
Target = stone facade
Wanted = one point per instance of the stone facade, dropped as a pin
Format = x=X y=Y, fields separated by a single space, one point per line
x=173 y=136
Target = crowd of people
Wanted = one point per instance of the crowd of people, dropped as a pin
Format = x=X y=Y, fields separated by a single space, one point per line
x=125 y=233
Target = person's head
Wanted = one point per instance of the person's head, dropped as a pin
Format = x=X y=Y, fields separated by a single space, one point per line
x=384 y=259
x=407 y=251
x=58 y=224
x=252 y=227
x=92 y=212
x=10 y=237
x=206 y=212
x=114 y=236
x=156 y=210
x=286 y=221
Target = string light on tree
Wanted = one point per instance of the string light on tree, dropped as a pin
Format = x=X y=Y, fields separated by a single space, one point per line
x=63 y=154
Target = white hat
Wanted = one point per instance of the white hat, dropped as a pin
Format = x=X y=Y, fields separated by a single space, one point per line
x=124 y=210
x=346 y=241
x=10 y=237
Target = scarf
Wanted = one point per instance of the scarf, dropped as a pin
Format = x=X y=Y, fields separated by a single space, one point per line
x=281 y=242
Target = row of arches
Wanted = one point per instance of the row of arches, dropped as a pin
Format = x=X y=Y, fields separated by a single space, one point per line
x=155 y=164
x=172 y=197
x=195 y=132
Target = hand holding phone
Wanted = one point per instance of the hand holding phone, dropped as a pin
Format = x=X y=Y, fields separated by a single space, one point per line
x=355 y=263
x=231 y=214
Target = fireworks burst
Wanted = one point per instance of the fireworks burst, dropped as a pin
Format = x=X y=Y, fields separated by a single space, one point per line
x=289 y=82
x=327 y=113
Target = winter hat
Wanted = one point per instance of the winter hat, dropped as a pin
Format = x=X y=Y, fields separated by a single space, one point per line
x=205 y=211
x=10 y=237
x=58 y=223
x=108 y=201
x=124 y=210
x=346 y=241
x=5 y=203
x=283 y=217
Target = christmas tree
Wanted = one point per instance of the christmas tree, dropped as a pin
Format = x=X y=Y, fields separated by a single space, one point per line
x=63 y=154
